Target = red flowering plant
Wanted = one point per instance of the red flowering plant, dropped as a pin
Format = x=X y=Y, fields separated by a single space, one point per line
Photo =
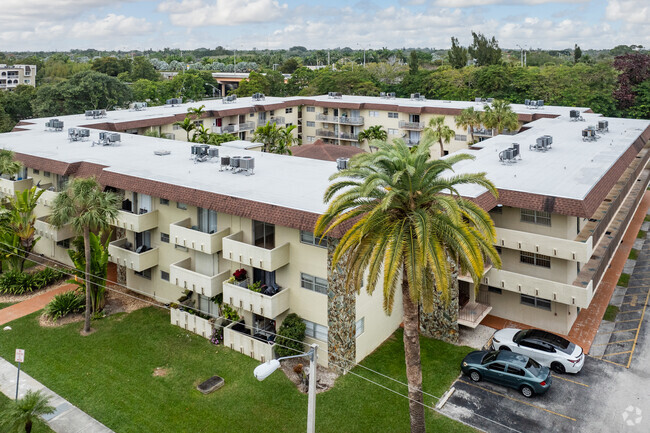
x=240 y=274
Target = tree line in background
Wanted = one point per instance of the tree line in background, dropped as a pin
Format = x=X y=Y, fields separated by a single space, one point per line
x=612 y=82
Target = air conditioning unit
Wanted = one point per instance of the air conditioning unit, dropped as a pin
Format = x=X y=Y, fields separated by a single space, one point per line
x=342 y=163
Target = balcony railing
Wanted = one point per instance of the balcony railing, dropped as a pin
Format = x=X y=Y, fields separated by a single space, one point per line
x=182 y=275
x=48 y=196
x=123 y=256
x=247 y=126
x=11 y=187
x=246 y=344
x=325 y=133
x=483 y=132
x=184 y=234
x=137 y=222
x=45 y=229
x=414 y=126
x=191 y=322
x=278 y=120
x=351 y=120
x=258 y=303
x=234 y=249
x=348 y=136
x=472 y=313
x=566 y=249
x=327 y=119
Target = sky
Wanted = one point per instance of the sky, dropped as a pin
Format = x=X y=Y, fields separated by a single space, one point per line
x=61 y=25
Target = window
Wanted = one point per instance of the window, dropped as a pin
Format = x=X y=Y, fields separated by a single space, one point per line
x=251 y=115
x=164 y=275
x=288 y=110
x=263 y=235
x=360 y=327
x=497 y=366
x=392 y=115
x=495 y=290
x=536 y=217
x=207 y=306
x=144 y=274
x=164 y=201
x=46 y=173
x=176 y=127
x=392 y=131
x=311 y=109
x=34 y=171
x=516 y=371
x=309 y=238
x=314 y=330
x=207 y=220
x=314 y=284
x=182 y=206
x=311 y=124
x=532 y=301
x=288 y=124
x=459 y=137
x=497 y=210
x=373 y=113
x=535 y=259
x=65 y=243
x=311 y=139
x=164 y=237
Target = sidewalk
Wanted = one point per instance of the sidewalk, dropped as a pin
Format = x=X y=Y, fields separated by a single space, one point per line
x=65 y=419
x=31 y=305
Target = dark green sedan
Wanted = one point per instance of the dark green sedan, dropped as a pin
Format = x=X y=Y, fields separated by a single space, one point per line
x=508 y=369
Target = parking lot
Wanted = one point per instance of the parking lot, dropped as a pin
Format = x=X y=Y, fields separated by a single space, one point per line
x=573 y=403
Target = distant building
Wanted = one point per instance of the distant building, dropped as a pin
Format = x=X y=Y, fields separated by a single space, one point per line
x=13 y=75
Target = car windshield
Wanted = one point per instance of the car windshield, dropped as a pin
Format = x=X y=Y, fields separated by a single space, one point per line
x=489 y=357
x=521 y=335
x=533 y=367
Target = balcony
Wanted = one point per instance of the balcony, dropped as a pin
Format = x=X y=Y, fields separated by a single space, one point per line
x=121 y=254
x=348 y=136
x=234 y=249
x=263 y=305
x=182 y=274
x=137 y=222
x=411 y=143
x=345 y=120
x=548 y=245
x=235 y=338
x=191 y=322
x=327 y=119
x=11 y=187
x=278 y=120
x=246 y=126
x=184 y=234
x=48 y=196
x=563 y=293
x=473 y=312
x=325 y=133
x=46 y=230
x=413 y=126
x=483 y=132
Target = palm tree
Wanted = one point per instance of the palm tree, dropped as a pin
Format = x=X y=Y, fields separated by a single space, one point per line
x=23 y=220
x=267 y=135
x=376 y=132
x=188 y=125
x=286 y=139
x=500 y=116
x=407 y=220
x=87 y=208
x=201 y=134
x=197 y=112
x=469 y=119
x=438 y=131
x=8 y=165
x=20 y=415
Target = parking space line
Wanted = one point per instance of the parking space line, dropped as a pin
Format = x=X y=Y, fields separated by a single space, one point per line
x=624 y=321
x=569 y=380
x=622 y=330
x=611 y=362
x=617 y=353
x=636 y=337
x=517 y=400
x=631 y=311
x=612 y=342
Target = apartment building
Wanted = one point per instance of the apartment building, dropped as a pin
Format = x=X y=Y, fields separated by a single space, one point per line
x=563 y=206
x=13 y=75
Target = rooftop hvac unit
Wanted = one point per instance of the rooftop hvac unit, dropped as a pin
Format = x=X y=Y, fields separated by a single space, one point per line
x=138 y=106
x=258 y=97
x=479 y=100
x=390 y=95
x=229 y=99
x=417 y=96
x=225 y=163
x=113 y=137
x=234 y=162
x=342 y=163
x=194 y=149
x=540 y=103
x=510 y=155
x=589 y=134
x=55 y=124
x=213 y=152
x=83 y=132
x=382 y=95
x=247 y=163
x=490 y=100
x=603 y=126
x=527 y=102
x=174 y=101
x=95 y=113
x=335 y=95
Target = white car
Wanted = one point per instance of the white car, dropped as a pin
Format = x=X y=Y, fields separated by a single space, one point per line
x=548 y=349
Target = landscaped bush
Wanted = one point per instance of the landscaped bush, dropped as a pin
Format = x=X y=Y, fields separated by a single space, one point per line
x=14 y=282
x=290 y=336
x=64 y=304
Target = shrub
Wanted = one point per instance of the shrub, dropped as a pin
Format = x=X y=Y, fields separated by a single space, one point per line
x=14 y=282
x=64 y=304
x=290 y=336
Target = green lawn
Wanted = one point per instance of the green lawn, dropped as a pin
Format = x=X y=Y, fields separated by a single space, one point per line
x=610 y=313
x=623 y=280
x=634 y=254
x=109 y=375
x=38 y=427
x=641 y=234
x=6 y=304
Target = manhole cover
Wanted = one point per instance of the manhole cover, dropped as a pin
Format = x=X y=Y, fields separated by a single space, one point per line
x=210 y=385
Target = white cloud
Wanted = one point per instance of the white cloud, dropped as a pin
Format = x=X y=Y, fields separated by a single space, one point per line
x=631 y=11
x=197 y=13
x=471 y=3
x=112 y=25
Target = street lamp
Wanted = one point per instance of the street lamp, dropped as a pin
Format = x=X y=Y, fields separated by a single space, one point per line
x=263 y=371
x=364 y=53
x=523 y=50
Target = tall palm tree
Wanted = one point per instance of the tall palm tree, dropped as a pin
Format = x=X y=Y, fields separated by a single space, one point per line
x=188 y=125
x=500 y=116
x=8 y=165
x=286 y=139
x=197 y=112
x=469 y=119
x=87 y=208
x=438 y=131
x=406 y=219
x=267 y=135
x=201 y=134
x=23 y=219
x=20 y=415
x=376 y=132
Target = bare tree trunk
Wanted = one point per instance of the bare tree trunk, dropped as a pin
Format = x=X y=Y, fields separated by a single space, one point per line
x=412 y=358
x=87 y=254
x=442 y=148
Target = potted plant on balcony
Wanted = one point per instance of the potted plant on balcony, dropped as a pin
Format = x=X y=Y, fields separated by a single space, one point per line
x=241 y=276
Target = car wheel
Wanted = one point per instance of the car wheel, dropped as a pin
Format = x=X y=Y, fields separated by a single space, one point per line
x=475 y=376
x=558 y=368
x=527 y=391
x=505 y=349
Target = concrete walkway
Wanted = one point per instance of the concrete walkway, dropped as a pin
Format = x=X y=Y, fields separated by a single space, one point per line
x=32 y=305
x=65 y=419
